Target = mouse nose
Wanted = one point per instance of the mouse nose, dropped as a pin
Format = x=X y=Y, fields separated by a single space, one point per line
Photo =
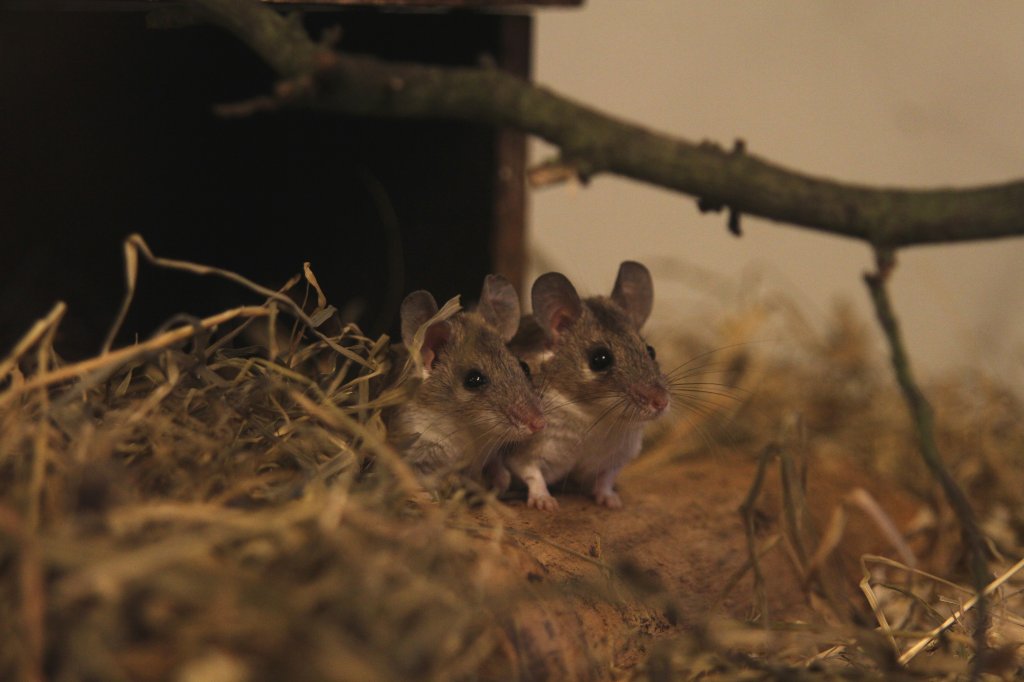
x=530 y=417
x=654 y=398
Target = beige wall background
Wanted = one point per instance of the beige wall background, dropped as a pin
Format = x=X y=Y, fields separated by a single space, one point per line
x=886 y=93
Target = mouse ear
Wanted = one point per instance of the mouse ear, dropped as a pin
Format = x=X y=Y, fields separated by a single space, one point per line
x=556 y=304
x=634 y=292
x=499 y=306
x=417 y=309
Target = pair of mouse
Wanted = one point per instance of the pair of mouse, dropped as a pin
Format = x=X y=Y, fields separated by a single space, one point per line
x=562 y=393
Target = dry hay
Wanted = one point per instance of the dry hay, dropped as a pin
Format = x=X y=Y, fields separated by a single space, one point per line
x=192 y=508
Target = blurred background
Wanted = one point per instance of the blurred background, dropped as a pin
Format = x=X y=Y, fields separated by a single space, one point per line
x=881 y=93
x=112 y=133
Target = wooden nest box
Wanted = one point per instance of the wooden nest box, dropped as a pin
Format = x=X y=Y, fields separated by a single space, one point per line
x=108 y=129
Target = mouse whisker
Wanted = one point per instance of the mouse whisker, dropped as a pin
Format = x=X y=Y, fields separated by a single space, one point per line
x=711 y=352
x=700 y=429
x=706 y=371
x=705 y=392
x=687 y=390
x=607 y=412
x=710 y=416
x=721 y=384
x=703 y=408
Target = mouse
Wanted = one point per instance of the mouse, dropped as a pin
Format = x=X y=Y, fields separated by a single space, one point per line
x=474 y=396
x=600 y=382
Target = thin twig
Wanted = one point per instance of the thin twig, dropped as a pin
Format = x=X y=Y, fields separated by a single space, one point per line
x=978 y=599
x=924 y=423
x=748 y=512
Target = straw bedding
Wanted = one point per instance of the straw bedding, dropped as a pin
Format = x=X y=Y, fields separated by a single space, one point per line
x=218 y=502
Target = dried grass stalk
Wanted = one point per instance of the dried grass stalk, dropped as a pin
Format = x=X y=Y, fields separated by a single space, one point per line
x=192 y=508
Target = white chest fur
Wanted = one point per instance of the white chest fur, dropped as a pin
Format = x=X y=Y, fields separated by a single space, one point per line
x=577 y=443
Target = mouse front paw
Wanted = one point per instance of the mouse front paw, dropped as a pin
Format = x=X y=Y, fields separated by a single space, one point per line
x=542 y=502
x=609 y=499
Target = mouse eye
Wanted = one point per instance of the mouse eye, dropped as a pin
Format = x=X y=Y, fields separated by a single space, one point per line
x=526 y=368
x=650 y=351
x=601 y=359
x=475 y=379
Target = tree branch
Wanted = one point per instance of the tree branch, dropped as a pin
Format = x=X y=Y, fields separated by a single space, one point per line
x=281 y=41
x=593 y=142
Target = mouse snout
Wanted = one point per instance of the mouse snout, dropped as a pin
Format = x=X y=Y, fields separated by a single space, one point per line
x=654 y=398
x=529 y=417
x=536 y=423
